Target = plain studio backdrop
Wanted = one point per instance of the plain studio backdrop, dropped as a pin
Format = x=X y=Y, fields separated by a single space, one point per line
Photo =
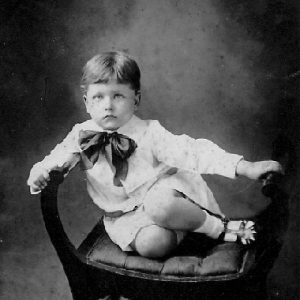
x=223 y=70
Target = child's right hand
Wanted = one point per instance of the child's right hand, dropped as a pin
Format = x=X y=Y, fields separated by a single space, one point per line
x=38 y=179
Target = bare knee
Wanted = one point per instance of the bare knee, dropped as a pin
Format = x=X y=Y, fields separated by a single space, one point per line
x=154 y=241
x=159 y=204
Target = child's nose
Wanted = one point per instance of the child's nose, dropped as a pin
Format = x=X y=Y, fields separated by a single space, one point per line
x=108 y=103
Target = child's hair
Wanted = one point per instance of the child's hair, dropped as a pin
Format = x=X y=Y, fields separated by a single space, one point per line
x=108 y=66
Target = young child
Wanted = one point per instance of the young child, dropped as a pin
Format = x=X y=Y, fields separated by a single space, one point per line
x=146 y=179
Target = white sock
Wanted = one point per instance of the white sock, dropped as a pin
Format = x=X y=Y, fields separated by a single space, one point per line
x=212 y=226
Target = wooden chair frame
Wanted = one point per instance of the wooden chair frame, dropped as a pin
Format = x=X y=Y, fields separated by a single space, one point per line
x=89 y=280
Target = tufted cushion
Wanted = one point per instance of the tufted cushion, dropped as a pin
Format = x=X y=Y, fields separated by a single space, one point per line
x=197 y=256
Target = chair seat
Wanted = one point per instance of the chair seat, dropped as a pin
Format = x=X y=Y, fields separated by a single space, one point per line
x=197 y=258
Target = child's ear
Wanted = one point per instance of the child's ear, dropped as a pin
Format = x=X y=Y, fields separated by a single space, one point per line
x=137 y=98
x=85 y=103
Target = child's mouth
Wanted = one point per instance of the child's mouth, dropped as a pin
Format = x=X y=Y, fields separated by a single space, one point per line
x=110 y=117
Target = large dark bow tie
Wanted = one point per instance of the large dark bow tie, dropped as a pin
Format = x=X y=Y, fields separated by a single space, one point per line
x=93 y=143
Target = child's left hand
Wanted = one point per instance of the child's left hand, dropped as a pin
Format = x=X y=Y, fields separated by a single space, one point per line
x=254 y=170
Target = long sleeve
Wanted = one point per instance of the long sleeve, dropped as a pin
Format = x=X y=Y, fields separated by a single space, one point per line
x=196 y=155
x=64 y=156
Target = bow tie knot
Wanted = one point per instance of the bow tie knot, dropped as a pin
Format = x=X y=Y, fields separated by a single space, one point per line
x=93 y=143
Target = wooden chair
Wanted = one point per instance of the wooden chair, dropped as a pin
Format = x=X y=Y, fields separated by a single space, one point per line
x=199 y=269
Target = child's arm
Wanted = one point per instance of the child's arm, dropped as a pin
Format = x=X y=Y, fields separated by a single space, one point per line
x=196 y=155
x=63 y=157
x=254 y=170
x=203 y=156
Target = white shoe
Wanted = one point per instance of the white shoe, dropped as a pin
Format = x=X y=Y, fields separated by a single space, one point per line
x=241 y=230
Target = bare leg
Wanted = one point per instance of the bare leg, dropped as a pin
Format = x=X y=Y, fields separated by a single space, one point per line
x=168 y=208
x=154 y=241
x=171 y=211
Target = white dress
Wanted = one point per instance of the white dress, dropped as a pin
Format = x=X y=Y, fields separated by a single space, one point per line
x=158 y=151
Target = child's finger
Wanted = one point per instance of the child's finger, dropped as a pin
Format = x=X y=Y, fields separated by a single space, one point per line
x=29 y=181
x=277 y=167
x=281 y=169
x=272 y=166
x=43 y=184
x=35 y=188
x=40 y=182
x=32 y=179
x=46 y=175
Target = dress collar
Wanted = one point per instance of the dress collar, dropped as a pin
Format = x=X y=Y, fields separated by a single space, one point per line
x=132 y=128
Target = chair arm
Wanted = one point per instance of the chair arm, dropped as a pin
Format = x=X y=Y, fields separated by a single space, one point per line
x=272 y=223
x=63 y=246
x=270 y=184
x=274 y=220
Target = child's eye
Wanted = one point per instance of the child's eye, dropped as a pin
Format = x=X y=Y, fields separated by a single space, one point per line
x=118 y=96
x=98 y=97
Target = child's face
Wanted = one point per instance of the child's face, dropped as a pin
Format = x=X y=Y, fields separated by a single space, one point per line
x=111 y=105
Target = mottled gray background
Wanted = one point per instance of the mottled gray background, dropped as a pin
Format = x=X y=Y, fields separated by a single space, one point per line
x=223 y=70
